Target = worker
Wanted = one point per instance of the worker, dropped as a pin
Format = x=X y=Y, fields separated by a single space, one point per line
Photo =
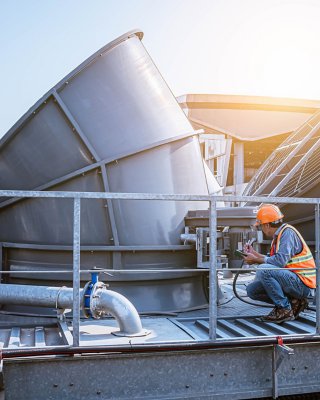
x=287 y=289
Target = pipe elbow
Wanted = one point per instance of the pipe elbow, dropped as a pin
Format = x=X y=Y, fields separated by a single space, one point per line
x=108 y=301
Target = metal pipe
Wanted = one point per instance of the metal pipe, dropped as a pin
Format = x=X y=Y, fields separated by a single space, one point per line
x=104 y=300
x=41 y=296
x=188 y=237
x=121 y=309
x=112 y=272
x=155 y=196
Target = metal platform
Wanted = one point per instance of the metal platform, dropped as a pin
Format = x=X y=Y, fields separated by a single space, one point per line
x=176 y=360
x=236 y=319
x=162 y=330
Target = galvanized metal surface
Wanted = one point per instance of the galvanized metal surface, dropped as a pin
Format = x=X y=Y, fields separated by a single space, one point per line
x=31 y=336
x=213 y=278
x=157 y=196
x=76 y=273
x=236 y=327
x=237 y=373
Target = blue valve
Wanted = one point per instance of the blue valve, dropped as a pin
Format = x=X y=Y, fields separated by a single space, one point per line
x=87 y=293
x=94 y=277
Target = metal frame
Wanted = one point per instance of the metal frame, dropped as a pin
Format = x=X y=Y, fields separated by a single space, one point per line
x=293 y=170
x=262 y=182
x=75 y=126
x=76 y=273
x=280 y=351
x=212 y=199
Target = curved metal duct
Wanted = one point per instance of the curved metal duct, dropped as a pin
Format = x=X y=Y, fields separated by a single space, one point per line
x=111 y=125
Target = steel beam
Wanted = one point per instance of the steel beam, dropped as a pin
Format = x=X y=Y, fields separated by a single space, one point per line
x=110 y=211
x=76 y=126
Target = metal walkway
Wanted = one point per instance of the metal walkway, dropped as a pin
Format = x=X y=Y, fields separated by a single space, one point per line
x=242 y=327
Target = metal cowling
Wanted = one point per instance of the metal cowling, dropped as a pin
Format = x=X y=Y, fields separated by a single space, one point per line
x=111 y=125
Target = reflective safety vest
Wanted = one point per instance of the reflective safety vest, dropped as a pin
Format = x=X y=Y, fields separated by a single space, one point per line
x=303 y=260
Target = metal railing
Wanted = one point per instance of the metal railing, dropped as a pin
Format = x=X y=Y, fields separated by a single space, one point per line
x=212 y=199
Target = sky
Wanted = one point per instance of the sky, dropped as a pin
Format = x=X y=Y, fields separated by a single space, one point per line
x=246 y=47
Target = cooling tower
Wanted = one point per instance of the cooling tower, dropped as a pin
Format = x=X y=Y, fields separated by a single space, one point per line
x=111 y=125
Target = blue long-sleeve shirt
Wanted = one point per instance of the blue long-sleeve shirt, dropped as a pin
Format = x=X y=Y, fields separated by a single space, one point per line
x=290 y=245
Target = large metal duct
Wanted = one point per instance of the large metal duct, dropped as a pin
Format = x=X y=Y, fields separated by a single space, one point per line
x=111 y=125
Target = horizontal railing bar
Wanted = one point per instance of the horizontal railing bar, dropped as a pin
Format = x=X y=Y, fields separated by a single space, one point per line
x=154 y=196
x=109 y=271
x=32 y=246
x=126 y=271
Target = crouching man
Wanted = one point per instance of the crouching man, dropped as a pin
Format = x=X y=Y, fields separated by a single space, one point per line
x=286 y=289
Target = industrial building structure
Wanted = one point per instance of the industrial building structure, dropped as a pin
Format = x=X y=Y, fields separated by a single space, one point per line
x=240 y=132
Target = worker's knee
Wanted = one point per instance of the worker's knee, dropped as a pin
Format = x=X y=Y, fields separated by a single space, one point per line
x=252 y=291
x=263 y=272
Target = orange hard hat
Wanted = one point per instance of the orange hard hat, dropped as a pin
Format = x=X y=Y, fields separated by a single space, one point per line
x=268 y=213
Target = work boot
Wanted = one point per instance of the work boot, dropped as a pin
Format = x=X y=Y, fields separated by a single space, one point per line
x=298 y=306
x=270 y=316
x=279 y=315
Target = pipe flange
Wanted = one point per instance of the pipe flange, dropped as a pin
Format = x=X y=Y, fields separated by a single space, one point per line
x=90 y=308
x=144 y=332
x=95 y=310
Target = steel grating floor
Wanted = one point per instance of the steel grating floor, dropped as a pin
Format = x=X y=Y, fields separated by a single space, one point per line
x=245 y=327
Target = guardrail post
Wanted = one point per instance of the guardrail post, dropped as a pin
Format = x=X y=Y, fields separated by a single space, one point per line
x=317 y=251
x=213 y=279
x=76 y=273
